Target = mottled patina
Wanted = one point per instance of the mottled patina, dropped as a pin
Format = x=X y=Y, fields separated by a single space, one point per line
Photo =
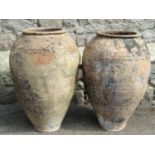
x=44 y=65
x=116 y=66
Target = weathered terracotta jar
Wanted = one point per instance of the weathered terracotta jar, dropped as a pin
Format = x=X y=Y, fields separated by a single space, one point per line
x=44 y=64
x=116 y=69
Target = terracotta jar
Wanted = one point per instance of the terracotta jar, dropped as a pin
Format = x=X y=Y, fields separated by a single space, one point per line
x=44 y=64
x=116 y=67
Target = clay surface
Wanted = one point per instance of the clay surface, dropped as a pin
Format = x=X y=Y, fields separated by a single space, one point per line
x=116 y=71
x=44 y=68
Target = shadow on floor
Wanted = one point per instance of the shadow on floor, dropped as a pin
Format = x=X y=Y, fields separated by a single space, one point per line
x=80 y=120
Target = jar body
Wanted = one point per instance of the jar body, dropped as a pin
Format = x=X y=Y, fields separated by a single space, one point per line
x=44 y=69
x=116 y=72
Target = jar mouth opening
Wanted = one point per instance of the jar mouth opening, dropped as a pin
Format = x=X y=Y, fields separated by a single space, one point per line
x=119 y=34
x=43 y=31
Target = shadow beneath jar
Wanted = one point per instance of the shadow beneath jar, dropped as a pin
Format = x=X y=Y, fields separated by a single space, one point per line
x=14 y=121
x=80 y=118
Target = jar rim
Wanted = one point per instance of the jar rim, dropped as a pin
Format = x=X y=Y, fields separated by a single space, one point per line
x=43 y=31
x=118 y=34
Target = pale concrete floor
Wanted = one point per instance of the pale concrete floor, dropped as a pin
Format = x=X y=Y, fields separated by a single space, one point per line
x=80 y=120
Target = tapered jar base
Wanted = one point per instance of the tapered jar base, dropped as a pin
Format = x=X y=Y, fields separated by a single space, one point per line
x=108 y=125
x=48 y=130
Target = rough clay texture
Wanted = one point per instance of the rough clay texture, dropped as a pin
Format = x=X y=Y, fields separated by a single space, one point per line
x=44 y=69
x=116 y=72
x=82 y=31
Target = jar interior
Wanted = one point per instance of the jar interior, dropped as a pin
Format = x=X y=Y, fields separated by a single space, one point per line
x=119 y=34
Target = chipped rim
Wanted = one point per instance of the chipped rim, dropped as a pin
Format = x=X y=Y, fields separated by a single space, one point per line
x=118 y=34
x=43 y=31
